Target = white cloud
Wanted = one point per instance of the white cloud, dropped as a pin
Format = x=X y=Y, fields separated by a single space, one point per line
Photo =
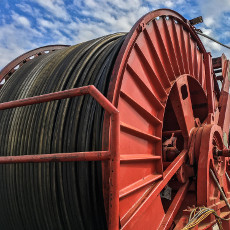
x=16 y=38
x=169 y=4
x=110 y=16
x=214 y=9
x=215 y=24
x=166 y=3
x=209 y=21
x=26 y=8
x=20 y=20
x=55 y=7
x=46 y=24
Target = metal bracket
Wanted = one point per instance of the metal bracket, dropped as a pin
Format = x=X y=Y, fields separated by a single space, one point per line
x=196 y=20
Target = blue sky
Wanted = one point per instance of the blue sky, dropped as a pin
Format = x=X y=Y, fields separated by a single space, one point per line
x=25 y=25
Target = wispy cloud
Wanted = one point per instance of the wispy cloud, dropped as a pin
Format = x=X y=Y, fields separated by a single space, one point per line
x=216 y=17
x=16 y=37
x=20 y=20
x=55 y=7
x=28 y=9
x=214 y=11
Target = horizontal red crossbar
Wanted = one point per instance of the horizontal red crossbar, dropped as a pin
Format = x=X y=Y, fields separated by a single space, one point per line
x=57 y=157
x=101 y=99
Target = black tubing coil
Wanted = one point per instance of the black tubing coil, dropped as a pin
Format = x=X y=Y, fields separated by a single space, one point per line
x=56 y=195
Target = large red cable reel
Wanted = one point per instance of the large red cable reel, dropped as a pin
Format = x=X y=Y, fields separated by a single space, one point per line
x=173 y=126
x=163 y=86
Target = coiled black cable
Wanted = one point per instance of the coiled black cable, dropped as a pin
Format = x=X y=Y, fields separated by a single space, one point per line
x=56 y=195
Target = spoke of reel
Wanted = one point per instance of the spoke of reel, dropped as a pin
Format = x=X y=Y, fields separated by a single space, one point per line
x=156 y=83
x=190 y=55
x=177 y=46
x=138 y=133
x=142 y=111
x=195 y=62
x=158 y=65
x=182 y=106
x=137 y=157
x=145 y=89
x=174 y=207
x=139 y=184
x=165 y=57
x=201 y=69
x=183 y=49
x=169 y=45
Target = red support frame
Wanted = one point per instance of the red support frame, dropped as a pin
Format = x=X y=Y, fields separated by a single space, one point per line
x=112 y=154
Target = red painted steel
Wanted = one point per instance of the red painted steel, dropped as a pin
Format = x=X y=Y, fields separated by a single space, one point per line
x=209 y=141
x=183 y=108
x=161 y=51
x=224 y=102
x=154 y=190
x=174 y=207
x=183 y=221
x=57 y=157
x=209 y=81
x=114 y=212
x=162 y=67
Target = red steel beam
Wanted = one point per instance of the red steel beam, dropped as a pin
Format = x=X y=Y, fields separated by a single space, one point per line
x=114 y=211
x=98 y=96
x=174 y=207
x=155 y=190
x=46 y=98
x=169 y=133
x=224 y=102
x=182 y=222
x=57 y=157
x=209 y=81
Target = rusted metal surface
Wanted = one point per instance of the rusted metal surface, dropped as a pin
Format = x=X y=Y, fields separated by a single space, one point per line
x=173 y=61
